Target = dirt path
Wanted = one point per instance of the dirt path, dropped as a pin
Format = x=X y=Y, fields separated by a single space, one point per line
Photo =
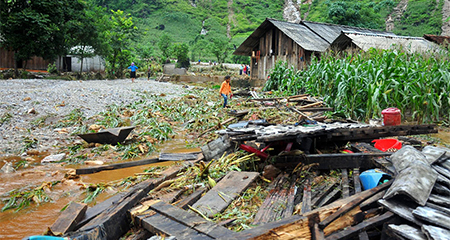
x=30 y=109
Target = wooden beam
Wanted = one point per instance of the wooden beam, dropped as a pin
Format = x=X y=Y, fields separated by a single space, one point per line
x=345 y=184
x=356 y=180
x=350 y=232
x=330 y=161
x=306 y=203
x=91 y=170
x=347 y=207
x=178 y=156
x=69 y=218
x=188 y=220
x=191 y=199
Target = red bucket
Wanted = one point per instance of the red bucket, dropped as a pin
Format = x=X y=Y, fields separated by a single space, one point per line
x=388 y=143
x=391 y=116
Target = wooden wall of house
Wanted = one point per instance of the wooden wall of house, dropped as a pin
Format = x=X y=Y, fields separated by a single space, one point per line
x=35 y=63
x=275 y=46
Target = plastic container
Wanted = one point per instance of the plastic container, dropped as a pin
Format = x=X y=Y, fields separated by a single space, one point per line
x=391 y=116
x=385 y=144
x=373 y=177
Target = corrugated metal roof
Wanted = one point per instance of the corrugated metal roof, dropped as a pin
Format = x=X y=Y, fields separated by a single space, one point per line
x=303 y=36
x=331 y=31
x=367 y=41
x=300 y=34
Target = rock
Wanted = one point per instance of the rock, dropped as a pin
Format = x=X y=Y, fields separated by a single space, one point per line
x=27 y=99
x=32 y=111
x=32 y=152
x=54 y=158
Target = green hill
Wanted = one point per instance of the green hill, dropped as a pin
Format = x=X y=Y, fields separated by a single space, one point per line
x=234 y=20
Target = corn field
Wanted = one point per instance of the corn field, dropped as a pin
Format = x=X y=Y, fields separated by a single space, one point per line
x=360 y=86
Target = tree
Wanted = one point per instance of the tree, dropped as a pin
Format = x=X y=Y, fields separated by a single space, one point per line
x=181 y=51
x=219 y=47
x=87 y=34
x=119 y=35
x=37 y=28
x=165 y=45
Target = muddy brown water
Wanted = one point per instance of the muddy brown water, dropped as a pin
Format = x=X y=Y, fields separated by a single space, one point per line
x=35 y=219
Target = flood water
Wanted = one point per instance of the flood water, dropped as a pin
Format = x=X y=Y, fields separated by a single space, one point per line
x=35 y=219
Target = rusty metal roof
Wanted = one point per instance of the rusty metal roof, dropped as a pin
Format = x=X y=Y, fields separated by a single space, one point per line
x=366 y=41
x=300 y=34
x=437 y=39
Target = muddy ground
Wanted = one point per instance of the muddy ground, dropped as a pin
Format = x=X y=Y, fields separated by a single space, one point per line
x=30 y=108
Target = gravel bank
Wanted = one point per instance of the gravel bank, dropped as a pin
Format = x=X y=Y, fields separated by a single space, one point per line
x=57 y=98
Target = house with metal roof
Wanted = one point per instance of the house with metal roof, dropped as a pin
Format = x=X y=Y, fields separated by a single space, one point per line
x=366 y=41
x=296 y=43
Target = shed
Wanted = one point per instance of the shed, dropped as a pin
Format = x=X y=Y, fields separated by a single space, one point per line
x=295 y=43
x=365 y=41
x=277 y=40
x=35 y=63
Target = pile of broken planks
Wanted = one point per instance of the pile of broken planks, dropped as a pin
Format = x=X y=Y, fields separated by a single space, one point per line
x=305 y=105
x=336 y=210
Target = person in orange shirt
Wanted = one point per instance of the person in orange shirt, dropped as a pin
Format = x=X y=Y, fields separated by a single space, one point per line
x=225 y=90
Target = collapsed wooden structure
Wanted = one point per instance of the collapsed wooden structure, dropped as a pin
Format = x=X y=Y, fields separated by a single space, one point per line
x=413 y=205
x=338 y=210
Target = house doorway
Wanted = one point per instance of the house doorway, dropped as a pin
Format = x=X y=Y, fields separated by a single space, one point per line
x=67 y=64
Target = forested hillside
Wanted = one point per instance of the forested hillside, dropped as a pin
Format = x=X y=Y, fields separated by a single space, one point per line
x=199 y=22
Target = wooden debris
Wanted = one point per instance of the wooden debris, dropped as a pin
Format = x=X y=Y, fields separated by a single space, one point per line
x=109 y=220
x=173 y=221
x=178 y=156
x=345 y=184
x=306 y=203
x=69 y=218
x=217 y=126
x=226 y=190
x=362 y=196
x=330 y=161
x=191 y=199
x=91 y=170
x=354 y=230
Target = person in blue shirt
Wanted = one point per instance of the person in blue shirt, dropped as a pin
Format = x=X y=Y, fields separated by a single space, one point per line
x=133 y=71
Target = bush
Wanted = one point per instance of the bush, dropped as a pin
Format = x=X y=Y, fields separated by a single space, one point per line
x=51 y=68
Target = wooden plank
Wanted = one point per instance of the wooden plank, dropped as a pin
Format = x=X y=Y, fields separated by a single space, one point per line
x=191 y=199
x=329 y=197
x=178 y=156
x=69 y=218
x=317 y=233
x=190 y=220
x=356 y=180
x=161 y=224
x=345 y=184
x=323 y=193
x=226 y=190
x=347 y=207
x=306 y=202
x=331 y=161
x=91 y=170
x=354 y=230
